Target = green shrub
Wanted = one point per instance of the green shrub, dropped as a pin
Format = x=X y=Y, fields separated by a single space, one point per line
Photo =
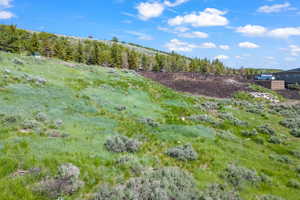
x=203 y=118
x=243 y=96
x=30 y=124
x=120 y=144
x=149 y=122
x=275 y=140
x=266 y=129
x=211 y=105
x=238 y=176
x=270 y=197
x=183 y=153
x=295 y=132
x=294 y=184
x=235 y=121
x=219 y=192
x=298 y=169
x=294 y=86
x=292 y=123
x=41 y=117
x=163 y=184
x=281 y=158
x=251 y=133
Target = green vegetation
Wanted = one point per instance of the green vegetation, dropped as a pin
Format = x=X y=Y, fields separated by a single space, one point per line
x=75 y=131
x=107 y=53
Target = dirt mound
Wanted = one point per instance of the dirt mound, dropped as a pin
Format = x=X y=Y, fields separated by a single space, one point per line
x=208 y=85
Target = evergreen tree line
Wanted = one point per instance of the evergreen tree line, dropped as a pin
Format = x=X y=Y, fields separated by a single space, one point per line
x=114 y=54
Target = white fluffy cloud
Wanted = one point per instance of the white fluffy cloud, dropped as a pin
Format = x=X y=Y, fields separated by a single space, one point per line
x=285 y=32
x=175 y=3
x=252 y=30
x=222 y=57
x=274 y=8
x=295 y=50
x=248 y=45
x=148 y=10
x=209 y=17
x=208 y=45
x=5 y=3
x=195 y=34
x=6 y=15
x=177 y=45
x=257 y=30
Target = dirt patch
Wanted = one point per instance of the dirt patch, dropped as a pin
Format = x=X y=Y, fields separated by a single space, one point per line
x=290 y=94
x=195 y=83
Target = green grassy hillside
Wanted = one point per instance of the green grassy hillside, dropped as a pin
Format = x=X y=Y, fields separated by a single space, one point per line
x=121 y=131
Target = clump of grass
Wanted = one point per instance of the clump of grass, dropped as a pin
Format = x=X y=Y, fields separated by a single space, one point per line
x=119 y=144
x=266 y=129
x=183 y=153
x=238 y=176
x=163 y=184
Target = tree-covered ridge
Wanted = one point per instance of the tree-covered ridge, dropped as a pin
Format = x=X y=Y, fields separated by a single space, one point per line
x=112 y=54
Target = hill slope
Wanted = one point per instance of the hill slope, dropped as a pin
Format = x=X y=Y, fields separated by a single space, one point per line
x=53 y=113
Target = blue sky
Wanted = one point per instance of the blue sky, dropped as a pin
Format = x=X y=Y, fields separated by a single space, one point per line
x=256 y=33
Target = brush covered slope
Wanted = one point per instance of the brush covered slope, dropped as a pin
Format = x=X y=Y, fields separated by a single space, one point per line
x=72 y=131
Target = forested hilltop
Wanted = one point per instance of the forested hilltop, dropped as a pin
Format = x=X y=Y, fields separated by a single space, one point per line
x=111 y=54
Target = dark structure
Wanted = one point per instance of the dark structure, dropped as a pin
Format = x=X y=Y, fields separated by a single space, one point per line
x=290 y=76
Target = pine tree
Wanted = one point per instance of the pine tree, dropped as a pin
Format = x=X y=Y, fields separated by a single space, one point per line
x=79 y=55
x=133 y=60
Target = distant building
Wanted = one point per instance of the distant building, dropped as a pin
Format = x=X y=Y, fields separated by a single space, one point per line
x=290 y=76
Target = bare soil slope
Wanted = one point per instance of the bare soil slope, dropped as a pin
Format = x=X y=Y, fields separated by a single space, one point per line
x=195 y=83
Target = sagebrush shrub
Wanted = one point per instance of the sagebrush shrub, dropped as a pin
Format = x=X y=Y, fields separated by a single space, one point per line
x=30 y=124
x=248 y=133
x=183 y=153
x=295 y=132
x=203 y=118
x=298 y=169
x=235 y=121
x=270 y=197
x=162 y=184
x=238 y=176
x=67 y=182
x=294 y=184
x=266 y=129
x=281 y=158
x=41 y=117
x=275 y=140
x=121 y=143
x=210 y=105
x=292 y=123
x=219 y=192
x=149 y=122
